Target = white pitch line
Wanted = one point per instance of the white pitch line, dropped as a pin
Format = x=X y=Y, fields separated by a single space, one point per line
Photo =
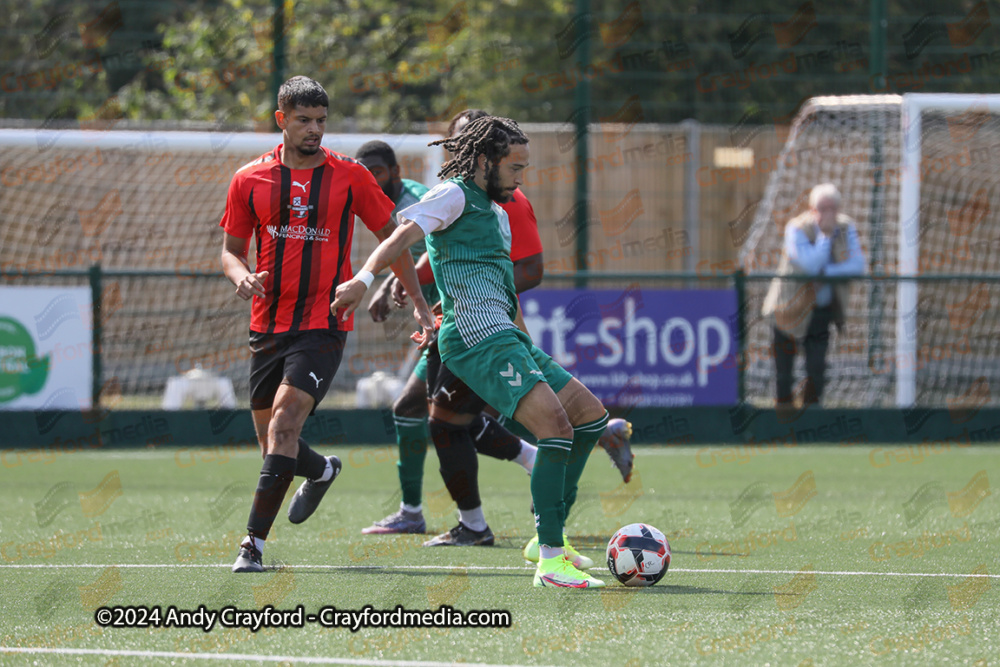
x=841 y=573
x=245 y=452
x=205 y=566
x=242 y=656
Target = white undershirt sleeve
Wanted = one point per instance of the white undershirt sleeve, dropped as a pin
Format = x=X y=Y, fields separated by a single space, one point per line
x=436 y=210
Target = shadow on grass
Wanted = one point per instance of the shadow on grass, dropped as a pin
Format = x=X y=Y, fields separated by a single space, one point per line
x=673 y=589
x=707 y=553
x=383 y=570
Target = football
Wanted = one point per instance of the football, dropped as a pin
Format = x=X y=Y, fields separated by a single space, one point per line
x=638 y=555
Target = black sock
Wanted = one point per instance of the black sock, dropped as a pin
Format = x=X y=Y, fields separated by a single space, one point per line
x=275 y=477
x=494 y=440
x=459 y=466
x=309 y=464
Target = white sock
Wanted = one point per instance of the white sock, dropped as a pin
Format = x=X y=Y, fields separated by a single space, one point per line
x=546 y=551
x=526 y=458
x=473 y=519
x=412 y=509
x=257 y=543
x=327 y=473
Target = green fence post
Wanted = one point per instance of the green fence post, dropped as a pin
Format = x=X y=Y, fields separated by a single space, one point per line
x=876 y=290
x=96 y=326
x=278 y=49
x=582 y=130
x=739 y=282
x=877 y=27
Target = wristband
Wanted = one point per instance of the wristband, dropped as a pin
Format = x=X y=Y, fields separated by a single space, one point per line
x=367 y=277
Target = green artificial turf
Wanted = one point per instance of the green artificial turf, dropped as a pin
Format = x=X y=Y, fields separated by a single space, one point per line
x=784 y=556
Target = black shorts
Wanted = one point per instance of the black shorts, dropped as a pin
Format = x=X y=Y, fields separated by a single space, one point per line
x=306 y=360
x=447 y=391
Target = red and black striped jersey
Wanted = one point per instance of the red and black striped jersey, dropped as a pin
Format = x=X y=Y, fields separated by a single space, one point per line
x=524 y=239
x=304 y=223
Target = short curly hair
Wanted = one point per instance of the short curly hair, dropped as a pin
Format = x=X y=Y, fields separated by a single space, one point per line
x=301 y=91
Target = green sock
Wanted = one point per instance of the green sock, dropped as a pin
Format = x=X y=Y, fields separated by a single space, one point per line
x=585 y=436
x=411 y=437
x=547 y=482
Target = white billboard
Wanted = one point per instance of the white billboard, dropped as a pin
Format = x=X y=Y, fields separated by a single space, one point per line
x=46 y=348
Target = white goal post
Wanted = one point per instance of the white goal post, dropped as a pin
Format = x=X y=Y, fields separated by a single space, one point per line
x=918 y=174
x=209 y=143
x=913 y=106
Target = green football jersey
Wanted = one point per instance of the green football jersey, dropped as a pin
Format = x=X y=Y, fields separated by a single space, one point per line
x=410 y=194
x=469 y=249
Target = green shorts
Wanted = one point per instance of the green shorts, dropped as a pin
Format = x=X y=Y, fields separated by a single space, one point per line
x=420 y=370
x=502 y=368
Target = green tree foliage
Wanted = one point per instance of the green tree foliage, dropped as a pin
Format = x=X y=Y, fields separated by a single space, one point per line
x=394 y=67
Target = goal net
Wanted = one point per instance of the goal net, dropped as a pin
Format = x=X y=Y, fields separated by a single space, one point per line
x=152 y=202
x=917 y=173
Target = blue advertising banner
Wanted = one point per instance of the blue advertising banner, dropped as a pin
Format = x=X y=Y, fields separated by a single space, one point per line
x=641 y=347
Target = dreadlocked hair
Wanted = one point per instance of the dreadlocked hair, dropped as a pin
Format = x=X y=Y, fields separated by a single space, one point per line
x=491 y=136
x=468 y=115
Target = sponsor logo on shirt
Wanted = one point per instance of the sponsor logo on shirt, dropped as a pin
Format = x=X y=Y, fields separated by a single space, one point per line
x=298 y=233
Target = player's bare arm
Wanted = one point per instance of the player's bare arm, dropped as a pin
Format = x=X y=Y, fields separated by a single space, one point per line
x=396 y=290
x=528 y=273
x=519 y=321
x=392 y=288
x=378 y=304
x=398 y=293
x=236 y=267
x=350 y=293
x=403 y=269
x=395 y=241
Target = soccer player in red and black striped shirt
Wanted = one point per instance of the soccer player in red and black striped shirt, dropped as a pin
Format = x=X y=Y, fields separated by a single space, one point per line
x=299 y=200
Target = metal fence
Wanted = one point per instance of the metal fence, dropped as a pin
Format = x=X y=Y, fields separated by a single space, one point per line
x=955 y=354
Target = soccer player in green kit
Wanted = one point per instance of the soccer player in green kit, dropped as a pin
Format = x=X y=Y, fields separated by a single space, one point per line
x=409 y=417
x=468 y=240
x=452 y=398
x=410 y=410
